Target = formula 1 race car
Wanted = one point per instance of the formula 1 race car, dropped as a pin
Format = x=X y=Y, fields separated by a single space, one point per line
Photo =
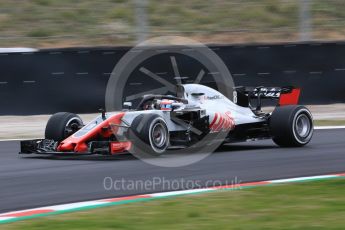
x=162 y=122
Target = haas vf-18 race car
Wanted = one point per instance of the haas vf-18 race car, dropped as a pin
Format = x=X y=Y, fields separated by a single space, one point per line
x=163 y=122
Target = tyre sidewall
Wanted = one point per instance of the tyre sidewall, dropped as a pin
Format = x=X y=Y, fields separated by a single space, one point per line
x=56 y=125
x=302 y=140
x=140 y=132
x=282 y=126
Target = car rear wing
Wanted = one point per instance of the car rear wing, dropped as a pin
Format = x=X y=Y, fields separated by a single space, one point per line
x=287 y=95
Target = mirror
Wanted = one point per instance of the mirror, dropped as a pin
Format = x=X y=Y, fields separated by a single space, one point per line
x=127 y=105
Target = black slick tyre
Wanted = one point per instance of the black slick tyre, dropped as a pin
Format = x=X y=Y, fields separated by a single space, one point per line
x=149 y=135
x=291 y=126
x=61 y=125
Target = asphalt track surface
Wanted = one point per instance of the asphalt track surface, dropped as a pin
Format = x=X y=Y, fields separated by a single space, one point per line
x=33 y=181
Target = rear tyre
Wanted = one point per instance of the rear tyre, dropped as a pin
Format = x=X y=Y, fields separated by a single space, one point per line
x=149 y=135
x=291 y=126
x=61 y=125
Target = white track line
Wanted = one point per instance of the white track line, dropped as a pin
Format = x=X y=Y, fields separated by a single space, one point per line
x=330 y=127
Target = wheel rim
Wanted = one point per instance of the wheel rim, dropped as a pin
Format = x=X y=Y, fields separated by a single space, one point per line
x=72 y=126
x=302 y=125
x=158 y=135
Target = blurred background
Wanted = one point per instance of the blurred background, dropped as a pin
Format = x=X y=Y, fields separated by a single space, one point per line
x=90 y=26
x=65 y=23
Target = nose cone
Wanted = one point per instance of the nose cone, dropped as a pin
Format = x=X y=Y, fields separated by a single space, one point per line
x=67 y=146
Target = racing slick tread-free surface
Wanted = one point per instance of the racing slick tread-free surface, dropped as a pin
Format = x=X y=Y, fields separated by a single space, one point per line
x=139 y=134
x=281 y=125
x=56 y=125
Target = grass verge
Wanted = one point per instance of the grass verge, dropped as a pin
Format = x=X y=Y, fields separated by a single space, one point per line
x=307 y=205
x=61 y=23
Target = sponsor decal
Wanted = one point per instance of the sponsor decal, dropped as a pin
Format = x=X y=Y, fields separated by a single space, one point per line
x=268 y=92
x=222 y=122
x=215 y=97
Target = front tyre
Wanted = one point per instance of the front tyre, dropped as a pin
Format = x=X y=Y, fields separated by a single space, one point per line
x=149 y=135
x=61 y=125
x=291 y=126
